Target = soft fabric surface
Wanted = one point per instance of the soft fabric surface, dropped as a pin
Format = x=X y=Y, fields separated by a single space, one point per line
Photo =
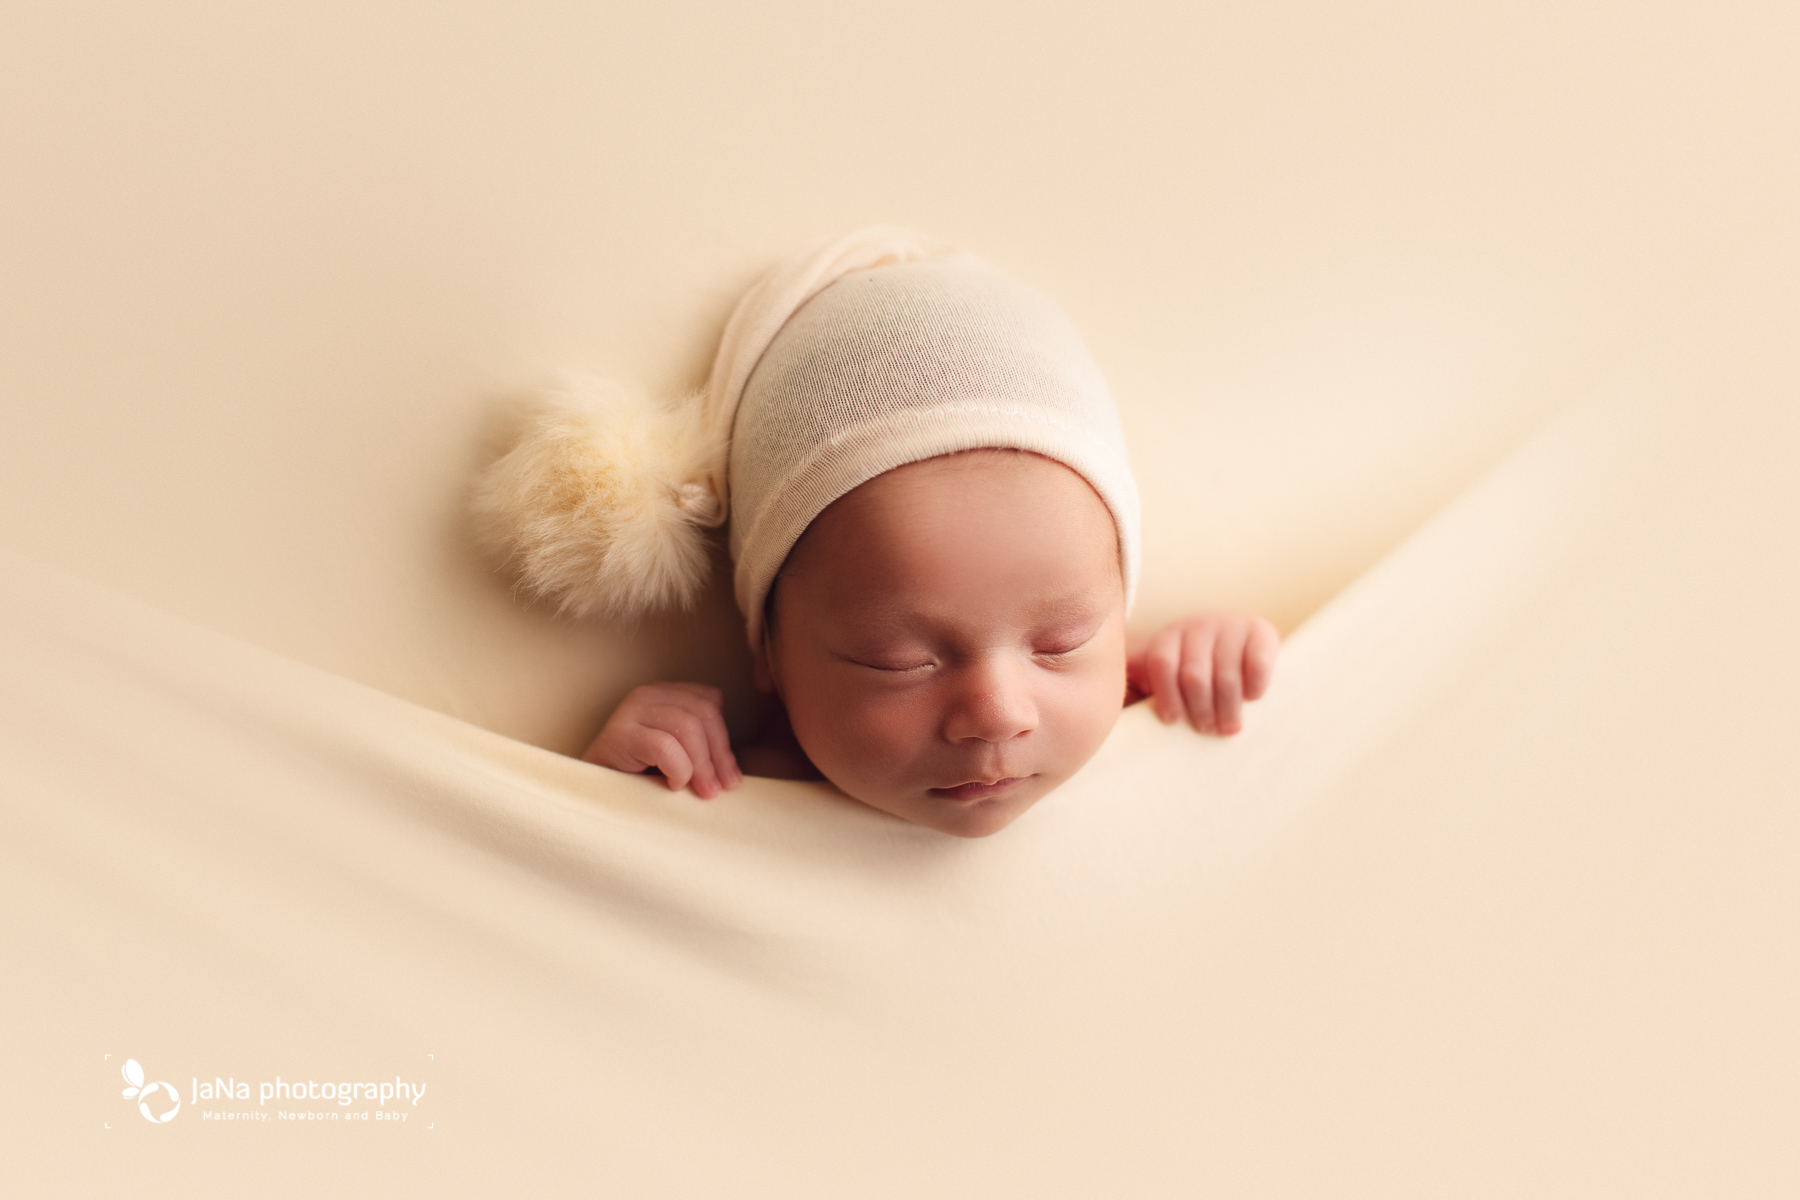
x=1494 y=896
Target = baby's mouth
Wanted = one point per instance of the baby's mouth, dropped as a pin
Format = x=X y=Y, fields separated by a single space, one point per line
x=978 y=789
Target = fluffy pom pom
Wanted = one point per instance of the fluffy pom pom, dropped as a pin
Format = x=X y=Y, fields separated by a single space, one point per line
x=599 y=506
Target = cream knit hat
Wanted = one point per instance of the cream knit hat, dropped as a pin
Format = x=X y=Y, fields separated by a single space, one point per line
x=863 y=353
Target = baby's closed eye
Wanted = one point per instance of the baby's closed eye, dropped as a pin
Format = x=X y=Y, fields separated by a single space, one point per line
x=1065 y=640
x=889 y=656
x=1059 y=647
x=895 y=666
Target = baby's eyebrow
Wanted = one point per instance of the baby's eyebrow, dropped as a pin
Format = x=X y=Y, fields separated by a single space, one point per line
x=1075 y=608
x=1065 y=617
x=1069 y=625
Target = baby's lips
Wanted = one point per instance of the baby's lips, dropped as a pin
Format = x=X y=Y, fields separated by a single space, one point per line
x=981 y=789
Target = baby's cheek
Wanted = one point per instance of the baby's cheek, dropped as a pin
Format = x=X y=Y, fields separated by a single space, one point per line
x=861 y=733
x=1086 y=714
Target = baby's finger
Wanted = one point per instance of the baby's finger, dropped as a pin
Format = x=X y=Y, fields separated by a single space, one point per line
x=1197 y=676
x=663 y=750
x=702 y=701
x=1228 y=678
x=689 y=728
x=1259 y=658
x=1163 y=660
x=718 y=742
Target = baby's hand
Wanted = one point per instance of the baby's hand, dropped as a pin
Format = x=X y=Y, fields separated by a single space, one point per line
x=676 y=728
x=1204 y=668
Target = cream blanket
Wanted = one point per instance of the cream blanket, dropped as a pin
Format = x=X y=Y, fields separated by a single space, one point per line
x=1494 y=896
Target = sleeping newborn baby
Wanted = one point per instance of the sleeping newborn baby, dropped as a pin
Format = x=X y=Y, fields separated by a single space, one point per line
x=934 y=531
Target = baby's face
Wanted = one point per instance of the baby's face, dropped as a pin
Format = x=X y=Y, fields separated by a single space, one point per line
x=949 y=638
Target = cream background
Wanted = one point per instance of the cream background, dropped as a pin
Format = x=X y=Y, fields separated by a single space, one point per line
x=1495 y=896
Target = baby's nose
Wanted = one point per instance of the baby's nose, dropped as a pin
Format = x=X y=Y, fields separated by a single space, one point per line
x=993 y=703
